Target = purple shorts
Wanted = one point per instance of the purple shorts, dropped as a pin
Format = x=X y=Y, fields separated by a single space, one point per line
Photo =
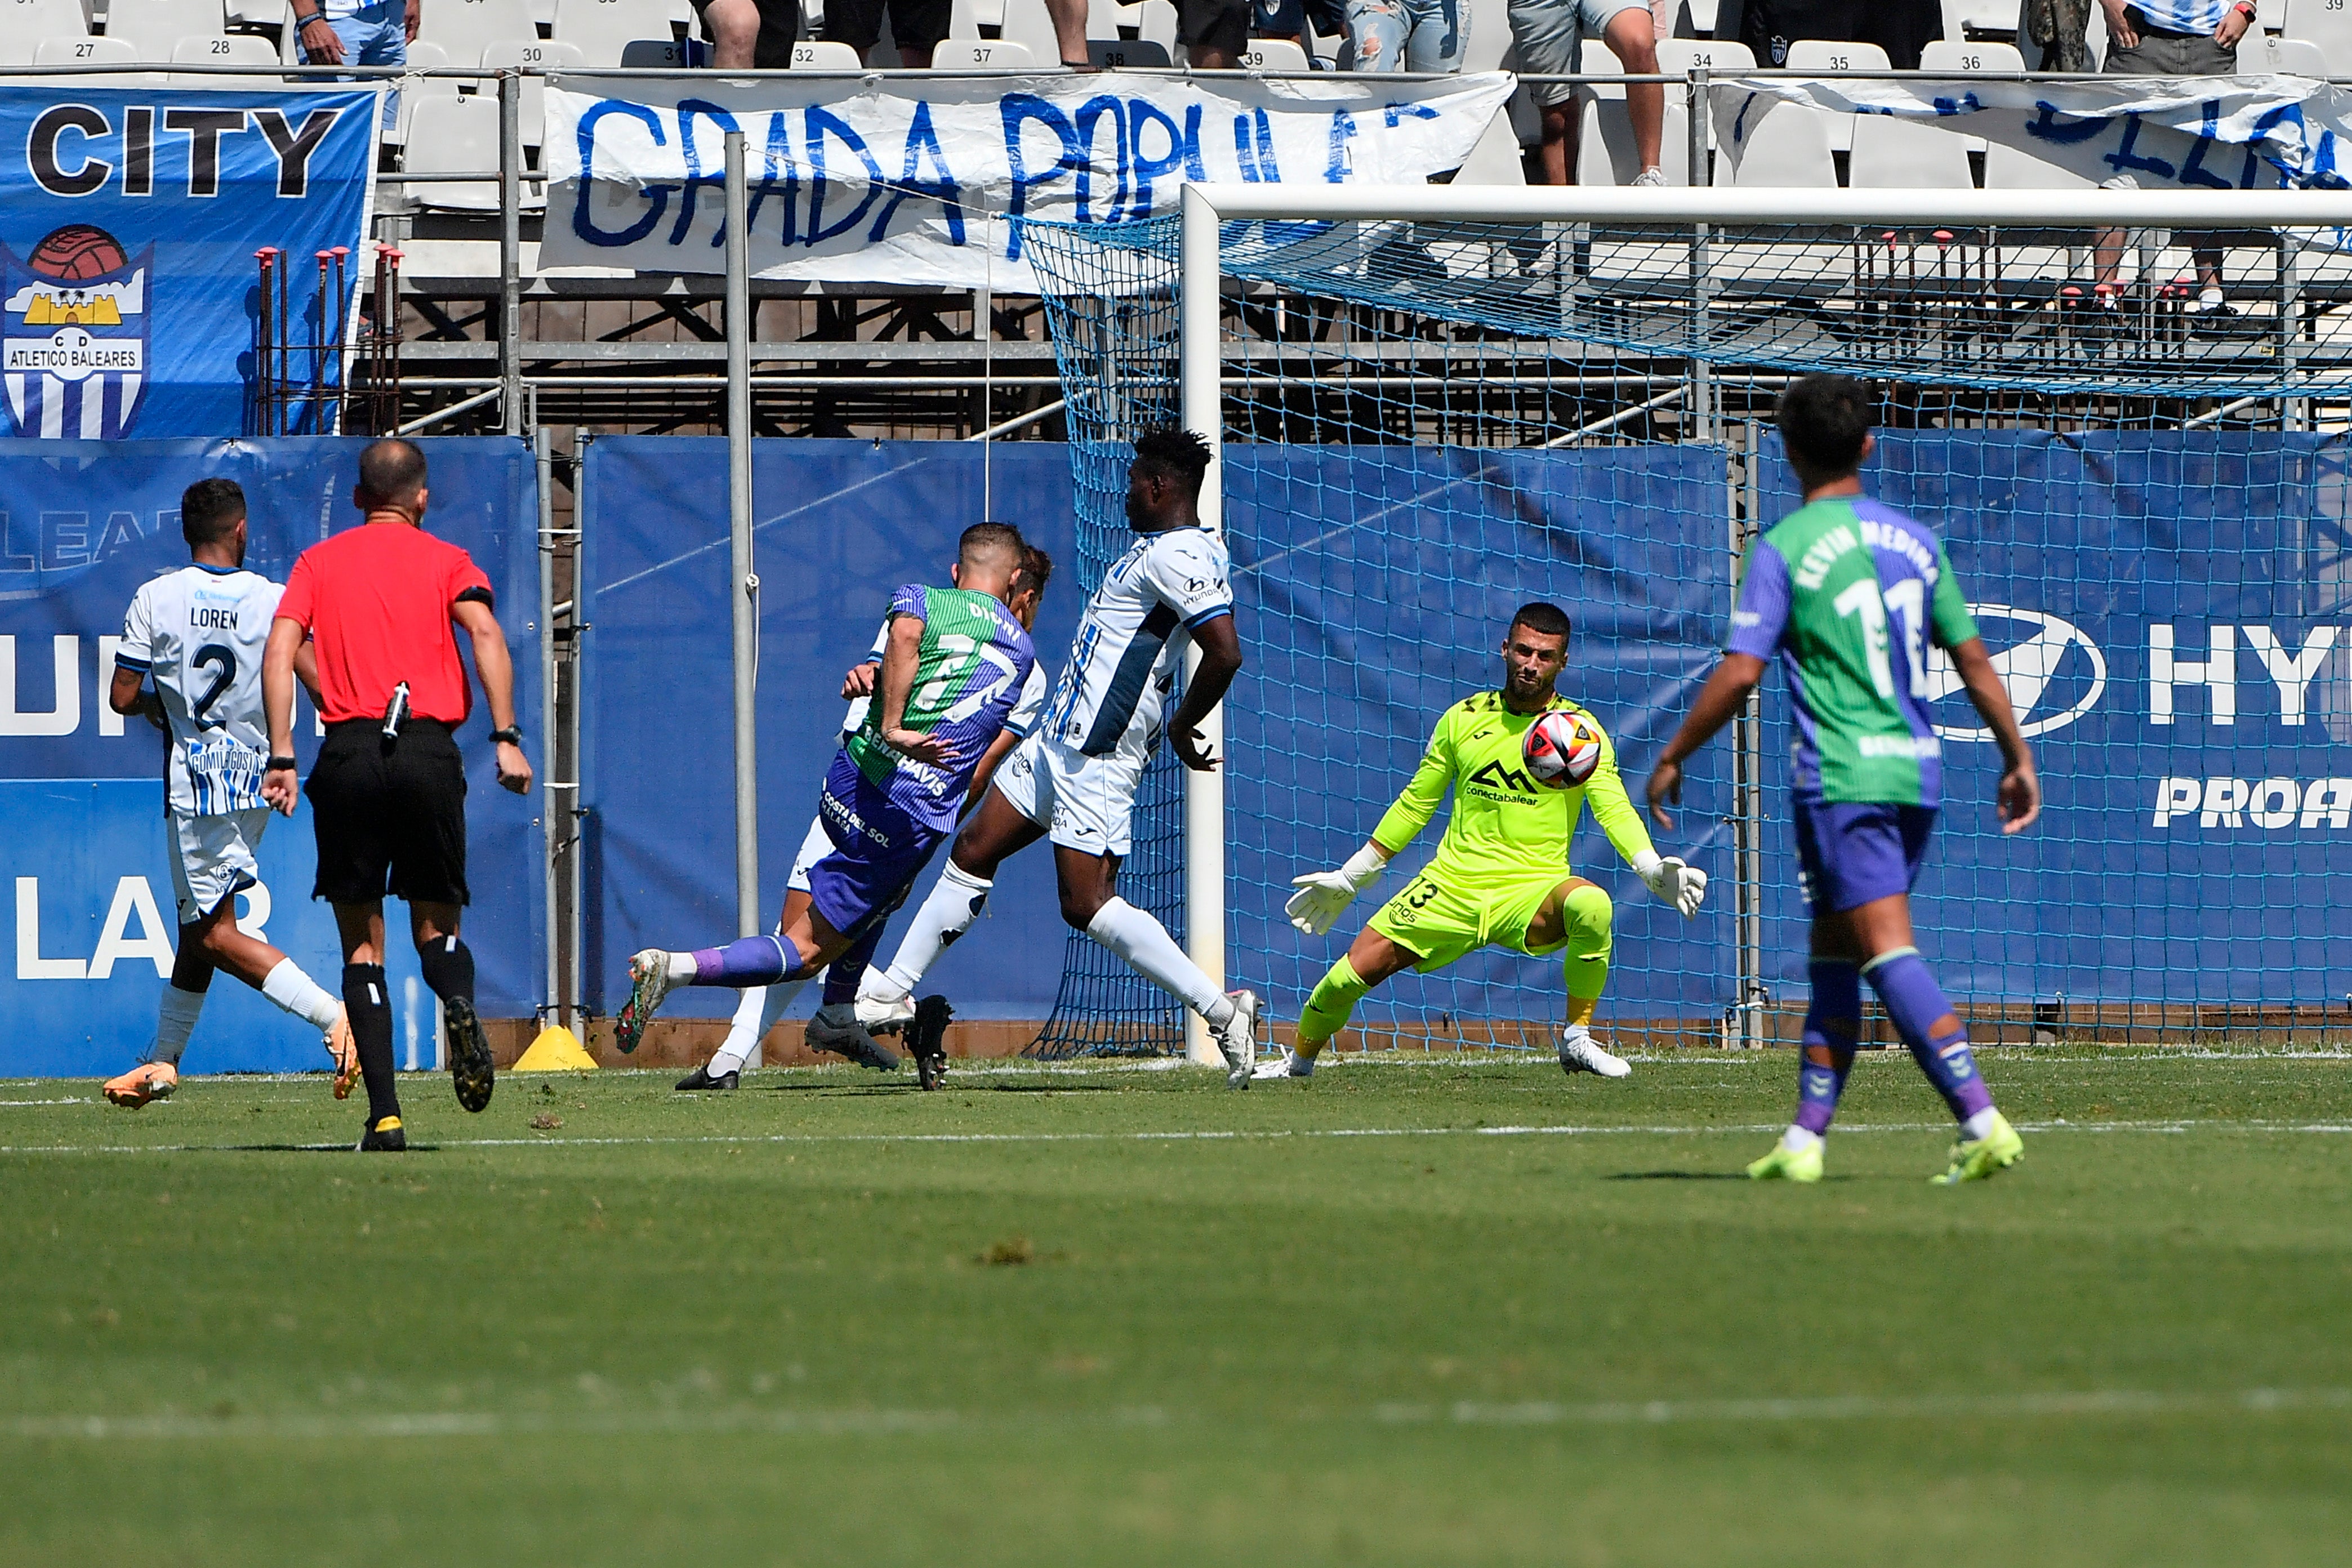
x=1850 y=852
x=879 y=850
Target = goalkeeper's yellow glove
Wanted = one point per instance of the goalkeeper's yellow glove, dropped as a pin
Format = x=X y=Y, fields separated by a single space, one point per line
x=1322 y=896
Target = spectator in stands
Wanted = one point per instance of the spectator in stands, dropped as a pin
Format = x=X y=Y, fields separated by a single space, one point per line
x=916 y=27
x=1214 y=33
x=1551 y=36
x=360 y=33
x=1289 y=20
x=1407 y=35
x=2172 y=37
x=2061 y=29
x=754 y=34
x=1902 y=27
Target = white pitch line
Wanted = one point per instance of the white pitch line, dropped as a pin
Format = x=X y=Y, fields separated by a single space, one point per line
x=1203 y=1135
x=314 y=1426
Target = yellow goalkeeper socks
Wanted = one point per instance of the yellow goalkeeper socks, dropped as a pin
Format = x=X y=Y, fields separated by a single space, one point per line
x=1328 y=1009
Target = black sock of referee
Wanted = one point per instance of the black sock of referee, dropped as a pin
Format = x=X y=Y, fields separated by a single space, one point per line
x=448 y=966
x=369 y=1001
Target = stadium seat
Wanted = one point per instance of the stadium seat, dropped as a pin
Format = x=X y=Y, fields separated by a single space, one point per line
x=1103 y=19
x=80 y=49
x=985 y=14
x=818 y=55
x=253 y=13
x=422 y=91
x=1125 y=54
x=1027 y=24
x=1490 y=34
x=1274 y=55
x=155 y=26
x=981 y=54
x=1984 y=15
x=1946 y=57
x=1497 y=159
x=2327 y=24
x=1787 y=144
x=659 y=54
x=2285 y=56
x=600 y=29
x=2008 y=169
x=1817 y=55
x=223 y=49
x=460 y=137
x=465 y=27
x=541 y=55
x=1605 y=142
x=1680 y=57
x=1155 y=23
x=35 y=22
x=963 y=19
x=1890 y=155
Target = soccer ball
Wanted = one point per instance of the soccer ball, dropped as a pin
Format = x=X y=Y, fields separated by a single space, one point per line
x=1561 y=750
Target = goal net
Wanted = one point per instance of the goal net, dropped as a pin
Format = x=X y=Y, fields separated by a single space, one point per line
x=1434 y=406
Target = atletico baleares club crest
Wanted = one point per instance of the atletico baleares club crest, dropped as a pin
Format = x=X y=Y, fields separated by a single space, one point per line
x=75 y=354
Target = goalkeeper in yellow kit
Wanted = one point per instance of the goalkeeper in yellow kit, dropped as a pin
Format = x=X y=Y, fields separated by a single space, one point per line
x=1501 y=875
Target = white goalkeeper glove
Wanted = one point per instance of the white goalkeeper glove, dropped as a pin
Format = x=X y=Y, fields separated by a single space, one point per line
x=1679 y=886
x=1324 y=896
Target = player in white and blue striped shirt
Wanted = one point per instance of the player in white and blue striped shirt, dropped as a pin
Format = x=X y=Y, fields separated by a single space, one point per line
x=190 y=663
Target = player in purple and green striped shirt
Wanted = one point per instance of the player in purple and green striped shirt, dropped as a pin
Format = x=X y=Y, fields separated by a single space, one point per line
x=954 y=663
x=1850 y=594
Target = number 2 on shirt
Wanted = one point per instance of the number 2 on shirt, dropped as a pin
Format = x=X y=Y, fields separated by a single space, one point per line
x=1907 y=599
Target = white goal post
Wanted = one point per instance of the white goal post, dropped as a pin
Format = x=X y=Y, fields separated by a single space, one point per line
x=1206 y=208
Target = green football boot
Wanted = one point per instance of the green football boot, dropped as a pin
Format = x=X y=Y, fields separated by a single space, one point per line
x=1787 y=1164
x=1975 y=1159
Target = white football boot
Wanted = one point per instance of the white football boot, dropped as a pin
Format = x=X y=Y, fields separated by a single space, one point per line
x=1290 y=1064
x=1238 y=1039
x=1580 y=1052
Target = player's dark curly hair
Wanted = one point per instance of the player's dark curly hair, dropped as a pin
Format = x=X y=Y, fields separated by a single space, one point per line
x=1545 y=617
x=1036 y=571
x=1181 y=455
x=209 y=509
x=1823 y=420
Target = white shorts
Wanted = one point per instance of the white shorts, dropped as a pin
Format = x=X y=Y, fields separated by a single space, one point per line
x=214 y=857
x=813 y=848
x=1083 y=803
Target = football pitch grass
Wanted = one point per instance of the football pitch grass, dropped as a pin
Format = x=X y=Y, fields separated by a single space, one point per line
x=1430 y=1310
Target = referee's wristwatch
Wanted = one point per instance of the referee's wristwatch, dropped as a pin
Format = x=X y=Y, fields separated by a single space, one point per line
x=510 y=736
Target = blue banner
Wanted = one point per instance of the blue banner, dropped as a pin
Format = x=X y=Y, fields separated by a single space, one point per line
x=838 y=524
x=127 y=249
x=88 y=902
x=2169 y=613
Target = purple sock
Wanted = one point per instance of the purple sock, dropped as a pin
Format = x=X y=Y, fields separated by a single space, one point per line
x=751 y=961
x=1928 y=1026
x=841 y=977
x=1827 y=1053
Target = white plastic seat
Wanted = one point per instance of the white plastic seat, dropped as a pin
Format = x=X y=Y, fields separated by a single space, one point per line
x=1680 y=57
x=823 y=55
x=540 y=55
x=154 y=27
x=80 y=49
x=1605 y=154
x=1274 y=55
x=2284 y=57
x=1891 y=153
x=222 y=49
x=460 y=137
x=1103 y=19
x=1819 y=55
x=600 y=29
x=1984 y=15
x=422 y=91
x=1783 y=144
x=464 y=28
x=981 y=54
x=963 y=20
x=2329 y=24
x=1490 y=34
x=1155 y=23
x=1945 y=56
x=1497 y=159
x=1026 y=23
x=38 y=22
x=2008 y=169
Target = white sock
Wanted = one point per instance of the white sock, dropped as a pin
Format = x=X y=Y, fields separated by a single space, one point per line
x=2208 y=296
x=1146 y=945
x=955 y=902
x=287 y=985
x=755 y=1014
x=1796 y=1140
x=1980 y=1124
x=175 y=1020
x=681 y=966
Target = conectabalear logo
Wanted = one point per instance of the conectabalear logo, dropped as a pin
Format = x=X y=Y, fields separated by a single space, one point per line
x=73 y=334
x=2054 y=673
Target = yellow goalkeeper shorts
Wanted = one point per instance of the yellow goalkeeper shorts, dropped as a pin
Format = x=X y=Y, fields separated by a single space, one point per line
x=1442 y=917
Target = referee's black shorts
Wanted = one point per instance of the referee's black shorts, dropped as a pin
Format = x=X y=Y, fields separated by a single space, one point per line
x=389 y=816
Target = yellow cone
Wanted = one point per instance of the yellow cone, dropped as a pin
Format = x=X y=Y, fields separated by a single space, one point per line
x=557 y=1049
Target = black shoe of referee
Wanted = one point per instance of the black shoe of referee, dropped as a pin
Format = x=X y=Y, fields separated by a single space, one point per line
x=471 y=1067
x=926 y=1041
x=700 y=1078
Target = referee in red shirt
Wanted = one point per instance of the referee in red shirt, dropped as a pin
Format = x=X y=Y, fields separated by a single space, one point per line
x=388 y=791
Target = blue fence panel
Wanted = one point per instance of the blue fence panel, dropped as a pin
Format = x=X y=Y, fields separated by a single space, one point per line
x=84 y=525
